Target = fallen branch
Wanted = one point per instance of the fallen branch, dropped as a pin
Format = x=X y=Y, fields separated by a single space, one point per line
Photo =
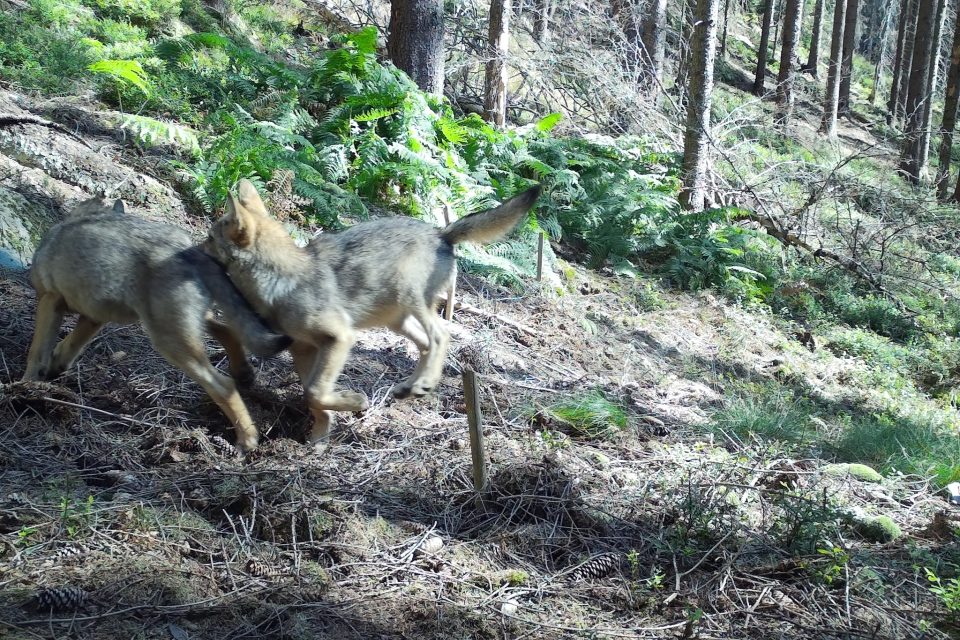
x=792 y=240
x=11 y=120
x=469 y=308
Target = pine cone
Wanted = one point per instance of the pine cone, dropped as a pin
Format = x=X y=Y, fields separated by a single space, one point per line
x=597 y=567
x=259 y=569
x=67 y=598
x=223 y=447
x=71 y=553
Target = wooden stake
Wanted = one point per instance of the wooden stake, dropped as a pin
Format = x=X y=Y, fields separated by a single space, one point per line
x=475 y=422
x=448 y=308
x=540 y=258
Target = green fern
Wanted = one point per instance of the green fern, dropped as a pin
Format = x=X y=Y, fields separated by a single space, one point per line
x=124 y=72
x=150 y=131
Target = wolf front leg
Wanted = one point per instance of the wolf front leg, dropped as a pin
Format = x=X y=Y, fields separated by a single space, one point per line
x=50 y=311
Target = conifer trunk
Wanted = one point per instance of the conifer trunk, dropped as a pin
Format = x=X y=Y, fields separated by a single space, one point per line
x=785 y=77
x=911 y=163
x=949 y=114
x=898 y=59
x=761 y=71
x=907 y=62
x=846 y=67
x=415 y=43
x=495 y=85
x=813 y=58
x=829 y=125
x=933 y=80
x=703 y=51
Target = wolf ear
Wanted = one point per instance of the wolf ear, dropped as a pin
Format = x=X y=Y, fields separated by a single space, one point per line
x=118 y=207
x=240 y=222
x=249 y=197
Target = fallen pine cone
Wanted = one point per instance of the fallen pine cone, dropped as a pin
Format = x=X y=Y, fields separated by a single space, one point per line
x=66 y=598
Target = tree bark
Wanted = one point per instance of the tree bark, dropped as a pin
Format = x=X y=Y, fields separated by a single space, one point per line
x=949 y=116
x=785 y=77
x=495 y=86
x=703 y=49
x=898 y=59
x=415 y=43
x=911 y=162
x=933 y=81
x=948 y=124
x=829 y=125
x=726 y=27
x=761 y=72
x=654 y=44
x=907 y=62
x=885 y=26
x=541 y=20
x=813 y=58
x=846 y=66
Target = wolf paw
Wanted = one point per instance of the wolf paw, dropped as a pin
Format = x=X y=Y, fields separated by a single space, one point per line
x=414 y=389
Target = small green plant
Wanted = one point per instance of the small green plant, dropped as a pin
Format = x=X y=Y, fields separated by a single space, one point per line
x=948 y=591
x=834 y=565
x=124 y=72
x=516 y=578
x=591 y=415
x=633 y=561
x=657 y=580
x=72 y=518
x=553 y=440
x=24 y=534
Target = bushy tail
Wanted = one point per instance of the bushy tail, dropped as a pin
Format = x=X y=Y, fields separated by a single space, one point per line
x=237 y=312
x=492 y=224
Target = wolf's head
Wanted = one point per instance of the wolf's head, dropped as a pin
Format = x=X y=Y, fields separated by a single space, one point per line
x=248 y=231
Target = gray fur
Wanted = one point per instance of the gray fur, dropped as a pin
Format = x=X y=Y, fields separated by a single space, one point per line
x=110 y=267
x=382 y=273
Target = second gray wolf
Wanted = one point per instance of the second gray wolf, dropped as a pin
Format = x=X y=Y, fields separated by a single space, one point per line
x=111 y=267
x=381 y=273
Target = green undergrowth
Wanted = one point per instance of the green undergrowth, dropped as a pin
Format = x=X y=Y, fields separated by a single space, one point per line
x=914 y=436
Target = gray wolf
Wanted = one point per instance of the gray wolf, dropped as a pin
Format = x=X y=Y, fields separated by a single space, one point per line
x=111 y=267
x=381 y=273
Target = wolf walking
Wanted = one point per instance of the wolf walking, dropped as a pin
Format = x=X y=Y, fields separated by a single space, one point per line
x=382 y=273
x=110 y=267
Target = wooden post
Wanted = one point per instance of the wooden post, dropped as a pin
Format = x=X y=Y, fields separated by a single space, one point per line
x=540 y=258
x=475 y=422
x=448 y=309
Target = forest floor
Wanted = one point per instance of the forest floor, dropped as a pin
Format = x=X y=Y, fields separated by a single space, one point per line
x=126 y=513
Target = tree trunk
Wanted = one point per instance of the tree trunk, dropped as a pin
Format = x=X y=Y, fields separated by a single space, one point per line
x=652 y=38
x=813 y=59
x=829 y=125
x=726 y=27
x=907 y=62
x=885 y=27
x=761 y=72
x=495 y=86
x=703 y=49
x=898 y=59
x=911 y=162
x=932 y=82
x=791 y=35
x=777 y=19
x=687 y=18
x=415 y=43
x=541 y=20
x=949 y=116
x=846 y=66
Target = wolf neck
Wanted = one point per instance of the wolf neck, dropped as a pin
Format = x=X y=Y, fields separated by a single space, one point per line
x=271 y=268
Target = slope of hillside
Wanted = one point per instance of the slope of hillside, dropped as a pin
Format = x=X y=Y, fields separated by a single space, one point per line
x=663 y=463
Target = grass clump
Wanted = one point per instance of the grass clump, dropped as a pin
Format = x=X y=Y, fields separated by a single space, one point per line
x=767 y=411
x=591 y=415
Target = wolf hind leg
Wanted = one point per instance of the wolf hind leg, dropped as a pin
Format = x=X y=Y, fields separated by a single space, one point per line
x=431 y=364
x=183 y=347
x=50 y=312
x=72 y=346
x=410 y=328
x=309 y=361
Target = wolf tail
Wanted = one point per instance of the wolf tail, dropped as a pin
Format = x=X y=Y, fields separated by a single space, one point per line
x=254 y=333
x=492 y=224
